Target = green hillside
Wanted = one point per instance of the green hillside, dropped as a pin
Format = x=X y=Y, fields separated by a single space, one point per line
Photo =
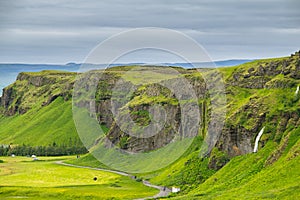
x=42 y=126
x=273 y=172
x=36 y=115
x=252 y=176
x=37 y=111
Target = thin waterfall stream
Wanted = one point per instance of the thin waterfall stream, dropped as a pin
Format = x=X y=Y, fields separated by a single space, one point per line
x=257 y=139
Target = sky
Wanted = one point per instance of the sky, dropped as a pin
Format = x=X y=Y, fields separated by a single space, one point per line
x=62 y=31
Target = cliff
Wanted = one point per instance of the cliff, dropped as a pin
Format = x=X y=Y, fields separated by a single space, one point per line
x=33 y=89
x=36 y=110
x=259 y=93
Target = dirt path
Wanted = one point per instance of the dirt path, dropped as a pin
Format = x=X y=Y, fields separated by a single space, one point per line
x=163 y=191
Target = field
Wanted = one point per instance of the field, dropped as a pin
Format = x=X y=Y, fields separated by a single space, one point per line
x=21 y=177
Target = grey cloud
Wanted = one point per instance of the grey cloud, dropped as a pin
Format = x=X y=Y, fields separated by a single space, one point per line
x=136 y=13
x=68 y=29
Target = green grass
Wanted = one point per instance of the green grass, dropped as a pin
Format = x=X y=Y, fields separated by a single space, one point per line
x=187 y=172
x=43 y=179
x=142 y=162
x=272 y=101
x=245 y=66
x=87 y=160
x=249 y=177
x=52 y=123
x=140 y=75
x=53 y=73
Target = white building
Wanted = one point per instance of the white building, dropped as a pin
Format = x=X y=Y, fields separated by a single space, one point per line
x=175 y=190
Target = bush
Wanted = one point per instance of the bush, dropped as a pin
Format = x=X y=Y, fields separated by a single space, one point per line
x=139 y=179
x=217 y=159
x=1 y=161
x=51 y=150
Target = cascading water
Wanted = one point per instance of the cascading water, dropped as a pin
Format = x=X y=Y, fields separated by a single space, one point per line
x=297 y=90
x=257 y=139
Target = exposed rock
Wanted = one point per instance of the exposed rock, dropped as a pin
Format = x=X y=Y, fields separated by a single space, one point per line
x=247 y=76
x=250 y=70
x=236 y=76
x=263 y=75
x=261 y=71
x=236 y=138
x=36 y=88
x=278 y=152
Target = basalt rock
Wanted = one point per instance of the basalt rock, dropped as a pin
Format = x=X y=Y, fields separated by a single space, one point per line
x=241 y=125
x=36 y=89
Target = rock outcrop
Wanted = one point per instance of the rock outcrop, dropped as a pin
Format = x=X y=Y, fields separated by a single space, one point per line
x=249 y=104
x=36 y=89
x=261 y=74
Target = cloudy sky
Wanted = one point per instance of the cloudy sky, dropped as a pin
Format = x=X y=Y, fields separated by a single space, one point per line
x=61 y=31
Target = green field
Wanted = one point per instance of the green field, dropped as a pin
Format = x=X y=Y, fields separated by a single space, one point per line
x=21 y=177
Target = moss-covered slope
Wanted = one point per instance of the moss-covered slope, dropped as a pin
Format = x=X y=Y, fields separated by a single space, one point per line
x=36 y=110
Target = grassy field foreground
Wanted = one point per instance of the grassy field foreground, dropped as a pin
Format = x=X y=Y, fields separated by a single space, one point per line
x=21 y=177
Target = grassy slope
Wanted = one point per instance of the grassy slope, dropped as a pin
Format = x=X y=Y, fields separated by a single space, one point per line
x=87 y=160
x=23 y=178
x=242 y=176
x=52 y=123
x=245 y=176
x=189 y=171
x=252 y=176
x=227 y=71
x=249 y=177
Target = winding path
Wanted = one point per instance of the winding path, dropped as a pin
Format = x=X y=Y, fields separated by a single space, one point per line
x=163 y=191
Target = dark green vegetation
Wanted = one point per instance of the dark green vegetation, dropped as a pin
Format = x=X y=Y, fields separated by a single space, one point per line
x=37 y=115
x=23 y=133
x=36 y=111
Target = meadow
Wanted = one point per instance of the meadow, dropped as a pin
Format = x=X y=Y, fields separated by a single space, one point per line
x=22 y=177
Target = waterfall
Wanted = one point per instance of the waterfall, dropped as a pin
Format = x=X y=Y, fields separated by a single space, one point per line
x=297 y=90
x=257 y=139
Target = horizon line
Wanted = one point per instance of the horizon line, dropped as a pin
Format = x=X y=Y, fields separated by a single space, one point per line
x=167 y=62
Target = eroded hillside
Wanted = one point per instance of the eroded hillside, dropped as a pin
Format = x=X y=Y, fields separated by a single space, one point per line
x=259 y=94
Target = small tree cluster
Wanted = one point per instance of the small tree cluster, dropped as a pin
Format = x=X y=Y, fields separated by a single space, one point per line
x=50 y=150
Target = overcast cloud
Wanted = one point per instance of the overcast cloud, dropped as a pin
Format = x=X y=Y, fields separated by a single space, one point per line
x=60 y=31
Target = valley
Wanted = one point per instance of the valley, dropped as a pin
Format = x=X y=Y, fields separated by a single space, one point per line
x=36 y=113
x=22 y=177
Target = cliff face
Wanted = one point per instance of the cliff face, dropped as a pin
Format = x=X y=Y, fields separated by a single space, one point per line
x=261 y=74
x=119 y=133
x=259 y=93
x=137 y=106
x=36 y=89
